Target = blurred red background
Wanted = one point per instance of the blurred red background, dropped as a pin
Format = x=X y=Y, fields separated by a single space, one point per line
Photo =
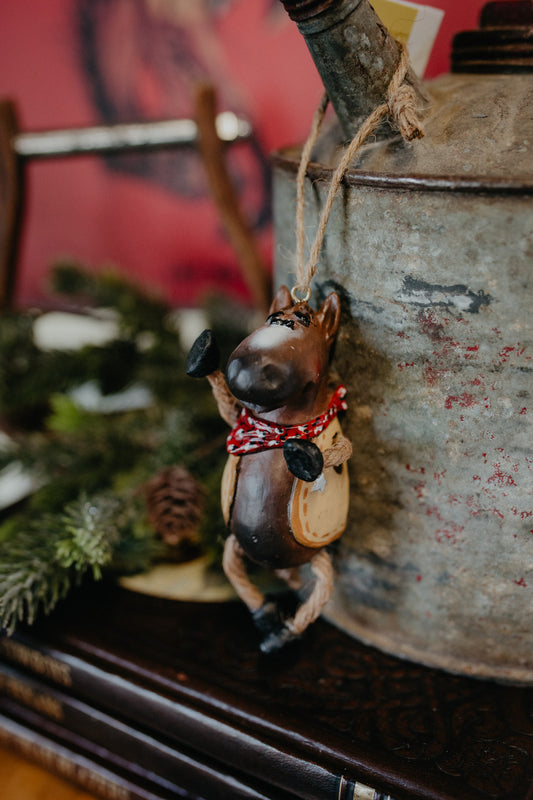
x=70 y=63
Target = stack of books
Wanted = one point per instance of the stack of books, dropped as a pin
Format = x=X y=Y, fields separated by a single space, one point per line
x=139 y=698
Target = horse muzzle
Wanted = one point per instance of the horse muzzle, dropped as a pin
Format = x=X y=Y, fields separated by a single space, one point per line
x=256 y=381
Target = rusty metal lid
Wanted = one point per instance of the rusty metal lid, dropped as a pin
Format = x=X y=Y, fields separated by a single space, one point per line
x=478 y=133
x=479 y=127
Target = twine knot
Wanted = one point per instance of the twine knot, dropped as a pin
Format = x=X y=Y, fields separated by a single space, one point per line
x=401 y=100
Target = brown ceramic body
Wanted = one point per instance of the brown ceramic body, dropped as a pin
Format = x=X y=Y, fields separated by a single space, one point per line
x=281 y=373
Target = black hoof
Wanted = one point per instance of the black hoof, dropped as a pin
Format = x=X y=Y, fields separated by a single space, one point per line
x=303 y=458
x=277 y=640
x=203 y=357
x=267 y=618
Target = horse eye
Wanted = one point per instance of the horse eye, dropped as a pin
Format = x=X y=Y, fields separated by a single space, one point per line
x=304 y=318
x=278 y=319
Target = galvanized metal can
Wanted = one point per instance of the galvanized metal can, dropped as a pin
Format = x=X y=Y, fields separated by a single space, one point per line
x=431 y=248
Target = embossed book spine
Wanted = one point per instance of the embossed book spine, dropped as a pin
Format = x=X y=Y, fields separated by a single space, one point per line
x=331 y=719
x=80 y=767
x=32 y=701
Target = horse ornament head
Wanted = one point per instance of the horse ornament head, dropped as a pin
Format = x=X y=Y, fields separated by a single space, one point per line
x=284 y=362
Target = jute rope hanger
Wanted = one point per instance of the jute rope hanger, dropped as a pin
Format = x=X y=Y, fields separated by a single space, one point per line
x=401 y=106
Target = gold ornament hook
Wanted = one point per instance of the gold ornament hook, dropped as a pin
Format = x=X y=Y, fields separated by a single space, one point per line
x=305 y=294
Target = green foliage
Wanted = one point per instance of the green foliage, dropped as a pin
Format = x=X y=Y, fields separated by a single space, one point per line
x=30 y=580
x=137 y=309
x=147 y=349
x=42 y=558
x=87 y=534
x=27 y=375
x=66 y=416
x=88 y=514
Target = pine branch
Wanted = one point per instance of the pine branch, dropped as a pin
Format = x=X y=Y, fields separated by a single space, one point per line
x=90 y=533
x=61 y=535
x=30 y=579
x=39 y=564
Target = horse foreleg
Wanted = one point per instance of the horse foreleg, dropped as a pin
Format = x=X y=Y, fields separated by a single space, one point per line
x=202 y=362
x=339 y=452
x=228 y=407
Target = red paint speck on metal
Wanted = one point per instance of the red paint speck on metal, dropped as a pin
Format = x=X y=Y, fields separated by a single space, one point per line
x=419 y=489
x=432 y=375
x=432 y=511
x=501 y=478
x=403 y=364
x=509 y=350
x=449 y=534
x=473 y=506
x=464 y=400
x=417 y=470
x=430 y=326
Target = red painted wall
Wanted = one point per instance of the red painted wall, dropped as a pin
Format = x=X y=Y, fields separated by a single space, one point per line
x=81 y=62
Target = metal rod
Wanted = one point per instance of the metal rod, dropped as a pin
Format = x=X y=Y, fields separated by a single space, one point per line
x=140 y=135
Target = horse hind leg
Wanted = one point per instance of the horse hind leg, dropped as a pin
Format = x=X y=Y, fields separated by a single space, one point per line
x=266 y=614
x=309 y=610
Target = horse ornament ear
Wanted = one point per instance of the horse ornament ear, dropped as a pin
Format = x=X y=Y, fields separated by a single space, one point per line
x=282 y=299
x=329 y=315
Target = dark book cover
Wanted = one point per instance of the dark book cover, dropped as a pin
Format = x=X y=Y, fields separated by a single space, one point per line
x=146 y=758
x=82 y=767
x=329 y=718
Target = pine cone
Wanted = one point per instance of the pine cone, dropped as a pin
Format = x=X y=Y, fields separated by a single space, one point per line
x=175 y=503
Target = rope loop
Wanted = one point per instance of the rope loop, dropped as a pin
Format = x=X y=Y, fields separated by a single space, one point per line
x=401 y=106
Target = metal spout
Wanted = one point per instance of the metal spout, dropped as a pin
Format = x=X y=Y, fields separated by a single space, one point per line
x=354 y=54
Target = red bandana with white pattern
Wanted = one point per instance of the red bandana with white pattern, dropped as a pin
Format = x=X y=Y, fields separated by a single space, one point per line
x=252 y=434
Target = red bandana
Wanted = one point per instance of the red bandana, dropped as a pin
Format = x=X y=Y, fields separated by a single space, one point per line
x=252 y=434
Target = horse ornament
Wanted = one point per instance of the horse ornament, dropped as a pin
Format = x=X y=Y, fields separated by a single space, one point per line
x=285 y=486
